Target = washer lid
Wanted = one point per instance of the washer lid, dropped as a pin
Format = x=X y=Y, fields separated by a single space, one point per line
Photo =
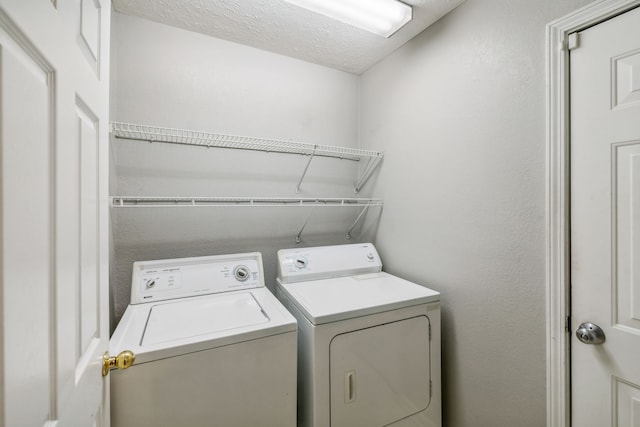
x=183 y=319
x=172 y=328
x=330 y=300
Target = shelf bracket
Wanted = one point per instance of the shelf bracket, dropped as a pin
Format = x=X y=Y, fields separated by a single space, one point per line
x=304 y=172
x=366 y=173
x=356 y=221
x=304 y=225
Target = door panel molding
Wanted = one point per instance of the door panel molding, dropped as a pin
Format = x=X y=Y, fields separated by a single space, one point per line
x=625 y=162
x=557 y=200
x=26 y=237
x=89 y=33
x=625 y=91
x=626 y=402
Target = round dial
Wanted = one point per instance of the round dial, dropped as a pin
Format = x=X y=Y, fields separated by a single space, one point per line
x=300 y=262
x=241 y=273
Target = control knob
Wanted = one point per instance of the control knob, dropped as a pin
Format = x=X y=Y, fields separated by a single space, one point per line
x=241 y=273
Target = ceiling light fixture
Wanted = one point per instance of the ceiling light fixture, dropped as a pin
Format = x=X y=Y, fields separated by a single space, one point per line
x=382 y=17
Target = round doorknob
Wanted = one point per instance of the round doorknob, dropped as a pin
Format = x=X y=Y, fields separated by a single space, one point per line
x=121 y=361
x=590 y=333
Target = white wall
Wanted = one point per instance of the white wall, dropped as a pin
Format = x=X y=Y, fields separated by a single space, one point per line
x=459 y=112
x=170 y=77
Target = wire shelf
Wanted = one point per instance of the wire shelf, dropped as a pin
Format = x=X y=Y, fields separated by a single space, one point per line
x=173 y=202
x=208 y=139
x=142 y=202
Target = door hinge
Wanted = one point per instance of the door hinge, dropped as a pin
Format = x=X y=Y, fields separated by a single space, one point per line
x=573 y=41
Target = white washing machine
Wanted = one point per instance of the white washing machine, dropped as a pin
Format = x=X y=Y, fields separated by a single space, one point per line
x=213 y=347
x=368 y=342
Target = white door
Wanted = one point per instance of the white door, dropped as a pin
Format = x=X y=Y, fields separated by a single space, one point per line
x=54 y=63
x=605 y=222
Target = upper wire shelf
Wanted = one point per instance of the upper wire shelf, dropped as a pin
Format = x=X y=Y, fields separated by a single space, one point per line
x=207 y=139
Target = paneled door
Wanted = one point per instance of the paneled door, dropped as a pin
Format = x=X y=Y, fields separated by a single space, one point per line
x=605 y=224
x=54 y=74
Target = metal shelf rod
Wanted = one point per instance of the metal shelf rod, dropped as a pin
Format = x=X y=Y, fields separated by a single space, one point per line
x=303 y=226
x=366 y=174
x=348 y=236
x=304 y=172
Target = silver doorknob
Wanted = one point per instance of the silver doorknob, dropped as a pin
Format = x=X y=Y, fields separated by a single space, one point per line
x=590 y=333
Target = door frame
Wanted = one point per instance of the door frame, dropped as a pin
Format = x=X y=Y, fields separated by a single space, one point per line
x=558 y=200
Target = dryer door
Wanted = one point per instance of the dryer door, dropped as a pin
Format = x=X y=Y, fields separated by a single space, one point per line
x=381 y=374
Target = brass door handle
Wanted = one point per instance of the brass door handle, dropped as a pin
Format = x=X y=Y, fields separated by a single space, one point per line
x=121 y=361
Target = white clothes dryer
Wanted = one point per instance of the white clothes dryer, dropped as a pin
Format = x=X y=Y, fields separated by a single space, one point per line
x=368 y=342
x=213 y=347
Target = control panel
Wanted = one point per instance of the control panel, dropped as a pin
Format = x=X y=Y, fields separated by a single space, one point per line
x=299 y=265
x=184 y=277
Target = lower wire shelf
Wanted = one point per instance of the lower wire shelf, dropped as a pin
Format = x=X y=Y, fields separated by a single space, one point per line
x=172 y=202
x=150 y=202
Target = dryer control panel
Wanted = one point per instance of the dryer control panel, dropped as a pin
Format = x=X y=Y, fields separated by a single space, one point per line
x=323 y=262
x=185 y=277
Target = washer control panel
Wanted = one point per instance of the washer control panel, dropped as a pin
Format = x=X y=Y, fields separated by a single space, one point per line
x=158 y=280
x=178 y=278
x=299 y=265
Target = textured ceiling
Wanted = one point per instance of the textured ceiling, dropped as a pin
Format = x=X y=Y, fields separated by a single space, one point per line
x=280 y=27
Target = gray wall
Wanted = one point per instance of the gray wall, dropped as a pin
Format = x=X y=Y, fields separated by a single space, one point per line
x=169 y=77
x=460 y=114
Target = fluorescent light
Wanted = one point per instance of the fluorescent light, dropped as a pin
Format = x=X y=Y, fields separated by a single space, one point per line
x=382 y=17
